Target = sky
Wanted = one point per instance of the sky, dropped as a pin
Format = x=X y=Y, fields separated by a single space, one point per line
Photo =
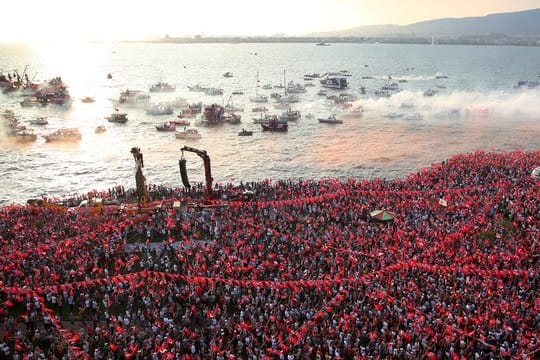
x=112 y=20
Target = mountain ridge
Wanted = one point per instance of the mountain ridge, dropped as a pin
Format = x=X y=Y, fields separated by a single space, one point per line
x=518 y=23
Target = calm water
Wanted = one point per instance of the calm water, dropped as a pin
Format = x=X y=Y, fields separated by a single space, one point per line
x=479 y=88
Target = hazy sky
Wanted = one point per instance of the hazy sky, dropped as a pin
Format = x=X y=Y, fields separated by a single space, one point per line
x=47 y=20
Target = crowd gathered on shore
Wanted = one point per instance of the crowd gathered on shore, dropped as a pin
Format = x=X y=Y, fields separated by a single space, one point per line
x=299 y=270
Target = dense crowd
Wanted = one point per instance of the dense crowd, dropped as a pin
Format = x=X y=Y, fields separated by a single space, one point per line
x=299 y=271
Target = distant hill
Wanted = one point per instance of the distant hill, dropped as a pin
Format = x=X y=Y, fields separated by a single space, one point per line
x=520 y=23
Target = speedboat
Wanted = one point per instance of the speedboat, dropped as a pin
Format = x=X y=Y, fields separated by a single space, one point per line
x=330 y=120
x=188 y=134
x=64 y=134
x=117 y=117
x=166 y=126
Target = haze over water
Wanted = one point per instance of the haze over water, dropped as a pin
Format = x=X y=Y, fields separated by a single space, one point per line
x=492 y=114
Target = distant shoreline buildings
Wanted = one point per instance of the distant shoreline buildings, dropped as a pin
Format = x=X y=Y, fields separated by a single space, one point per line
x=491 y=39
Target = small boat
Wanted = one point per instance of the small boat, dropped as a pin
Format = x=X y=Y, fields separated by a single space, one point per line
x=88 y=99
x=238 y=92
x=431 y=92
x=160 y=109
x=290 y=115
x=166 y=126
x=228 y=74
x=245 y=132
x=24 y=136
x=414 y=116
x=181 y=122
x=258 y=98
x=357 y=111
x=188 y=134
x=197 y=88
x=41 y=120
x=213 y=91
x=162 y=87
x=260 y=109
x=117 y=117
x=330 y=120
x=29 y=101
x=275 y=125
x=64 y=134
x=100 y=129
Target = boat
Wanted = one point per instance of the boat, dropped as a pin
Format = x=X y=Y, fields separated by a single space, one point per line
x=100 y=129
x=357 y=111
x=290 y=115
x=188 y=134
x=259 y=109
x=160 y=109
x=228 y=74
x=330 y=120
x=213 y=91
x=238 y=92
x=41 y=120
x=530 y=84
x=166 y=126
x=88 y=99
x=245 y=132
x=24 y=136
x=335 y=81
x=64 y=134
x=30 y=101
x=275 y=125
x=431 y=92
x=197 y=88
x=394 y=115
x=181 y=122
x=133 y=98
x=264 y=118
x=162 y=86
x=322 y=44
x=414 y=116
x=258 y=98
x=117 y=117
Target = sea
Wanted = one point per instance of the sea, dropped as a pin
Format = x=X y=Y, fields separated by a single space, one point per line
x=477 y=107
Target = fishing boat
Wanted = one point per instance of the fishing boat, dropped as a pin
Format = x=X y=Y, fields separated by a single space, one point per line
x=275 y=125
x=330 y=120
x=188 y=134
x=24 y=136
x=64 y=135
x=117 y=117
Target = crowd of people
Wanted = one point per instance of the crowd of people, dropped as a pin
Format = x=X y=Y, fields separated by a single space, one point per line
x=299 y=271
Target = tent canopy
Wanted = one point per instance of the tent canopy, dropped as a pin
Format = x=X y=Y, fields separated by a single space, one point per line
x=382 y=215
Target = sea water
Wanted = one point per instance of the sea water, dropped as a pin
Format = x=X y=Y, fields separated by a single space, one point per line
x=477 y=107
